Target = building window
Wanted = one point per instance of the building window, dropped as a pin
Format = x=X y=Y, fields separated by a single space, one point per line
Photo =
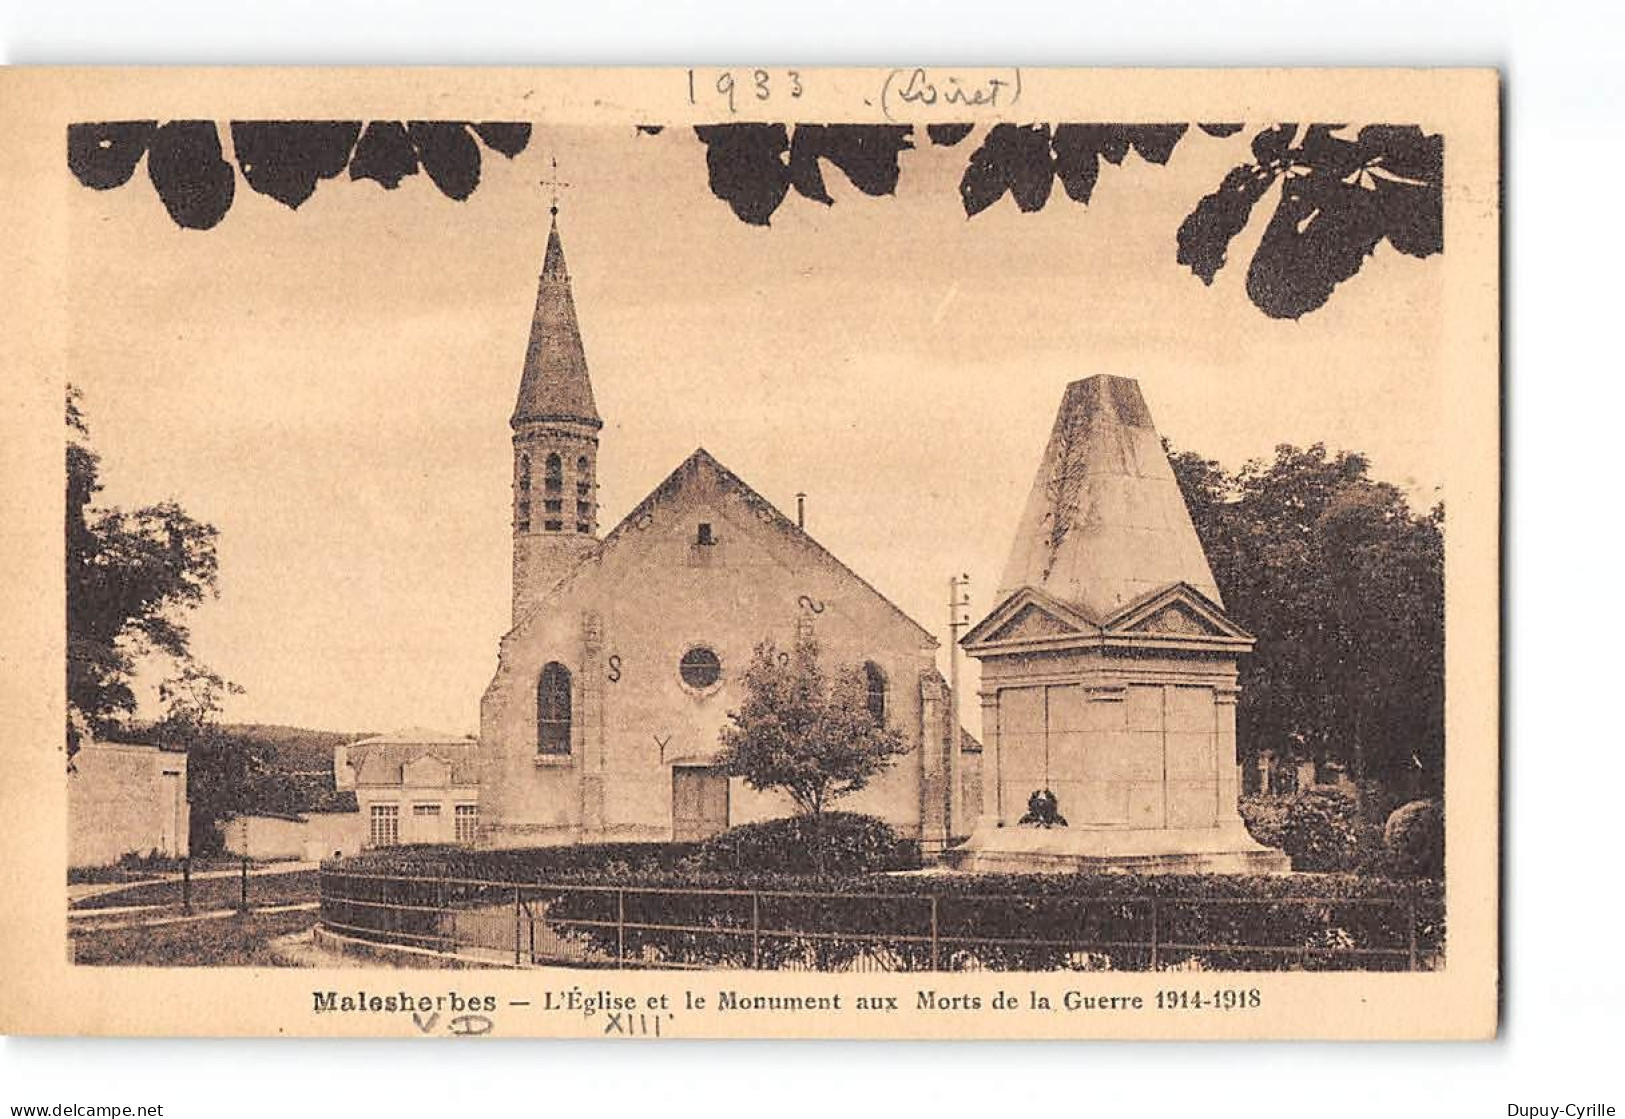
x=700 y=667
x=553 y=477
x=874 y=682
x=468 y=822
x=385 y=829
x=426 y=810
x=583 y=477
x=553 y=710
x=704 y=535
x=524 y=473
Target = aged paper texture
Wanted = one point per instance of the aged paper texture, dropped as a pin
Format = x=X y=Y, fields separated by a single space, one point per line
x=755 y=552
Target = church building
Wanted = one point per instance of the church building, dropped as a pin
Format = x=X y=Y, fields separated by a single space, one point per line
x=627 y=650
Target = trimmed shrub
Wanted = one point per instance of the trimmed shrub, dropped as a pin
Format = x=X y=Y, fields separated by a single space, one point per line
x=835 y=843
x=519 y=864
x=1265 y=817
x=1413 y=840
x=1323 y=831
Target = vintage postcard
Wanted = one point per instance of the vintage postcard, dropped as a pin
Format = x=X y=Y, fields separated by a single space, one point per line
x=752 y=552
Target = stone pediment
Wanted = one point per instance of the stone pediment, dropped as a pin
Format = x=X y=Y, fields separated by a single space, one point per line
x=1030 y=616
x=1178 y=611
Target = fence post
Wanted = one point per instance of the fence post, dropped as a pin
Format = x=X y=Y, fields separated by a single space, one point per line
x=936 y=952
x=620 y=928
x=755 y=930
x=242 y=893
x=1410 y=929
x=516 y=922
x=186 y=884
x=1156 y=963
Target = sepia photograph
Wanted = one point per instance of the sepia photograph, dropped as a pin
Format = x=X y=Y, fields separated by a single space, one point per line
x=781 y=538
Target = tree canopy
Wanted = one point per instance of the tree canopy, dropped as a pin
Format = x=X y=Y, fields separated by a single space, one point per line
x=803 y=731
x=131 y=578
x=1342 y=583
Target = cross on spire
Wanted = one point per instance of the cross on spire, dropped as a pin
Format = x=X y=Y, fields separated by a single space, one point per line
x=556 y=184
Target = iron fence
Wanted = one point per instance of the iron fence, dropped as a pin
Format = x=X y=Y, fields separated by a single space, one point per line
x=532 y=924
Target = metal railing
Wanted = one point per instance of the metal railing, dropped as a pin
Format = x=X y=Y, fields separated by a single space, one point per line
x=531 y=924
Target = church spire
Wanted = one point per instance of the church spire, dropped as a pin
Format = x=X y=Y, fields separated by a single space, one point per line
x=555 y=439
x=555 y=386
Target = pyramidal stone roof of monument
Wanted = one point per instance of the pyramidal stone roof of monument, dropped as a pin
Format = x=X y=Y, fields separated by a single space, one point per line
x=1105 y=523
x=555 y=385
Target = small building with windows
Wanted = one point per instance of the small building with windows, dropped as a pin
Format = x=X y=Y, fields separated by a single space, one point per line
x=412 y=786
x=627 y=651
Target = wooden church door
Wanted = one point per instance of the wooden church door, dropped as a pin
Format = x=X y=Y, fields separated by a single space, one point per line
x=699 y=803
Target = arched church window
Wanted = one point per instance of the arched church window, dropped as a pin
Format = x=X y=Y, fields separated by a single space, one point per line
x=553 y=710
x=583 y=477
x=554 y=473
x=700 y=667
x=874 y=682
x=524 y=473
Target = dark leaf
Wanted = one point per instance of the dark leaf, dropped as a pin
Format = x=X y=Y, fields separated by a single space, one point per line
x=1406 y=152
x=285 y=158
x=866 y=153
x=1155 y=143
x=384 y=154
x=505 y=136
x=104 y=155
x=1220 y=130
x=1271 y=145
x=1413 y=217
x=746 y=168
x=449 y=155
x=1204 y=237
x=191 y=177
x=947 y=135
x=1319 y=236
x=1014 y=158
x=1077 y=159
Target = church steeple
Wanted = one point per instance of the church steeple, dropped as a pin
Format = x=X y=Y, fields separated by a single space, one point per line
x=555 y=440
x=555 y=385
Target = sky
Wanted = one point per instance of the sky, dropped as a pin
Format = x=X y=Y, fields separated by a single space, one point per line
x=331 y=387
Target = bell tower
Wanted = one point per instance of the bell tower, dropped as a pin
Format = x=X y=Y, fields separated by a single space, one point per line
x=555 y=440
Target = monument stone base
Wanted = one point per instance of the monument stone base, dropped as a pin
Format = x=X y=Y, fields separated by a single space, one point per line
x=1023 y=849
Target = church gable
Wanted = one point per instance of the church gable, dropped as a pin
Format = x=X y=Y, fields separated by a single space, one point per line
x=703 y=515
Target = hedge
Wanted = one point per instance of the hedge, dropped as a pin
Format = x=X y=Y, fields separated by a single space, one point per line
x=807 y=922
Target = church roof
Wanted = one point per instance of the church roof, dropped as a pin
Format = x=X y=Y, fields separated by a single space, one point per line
x=555 y=385
x=702 y=462
x=1105 y=523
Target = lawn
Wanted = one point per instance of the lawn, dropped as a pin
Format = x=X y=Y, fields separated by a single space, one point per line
x=214 y=893
x=223 y=942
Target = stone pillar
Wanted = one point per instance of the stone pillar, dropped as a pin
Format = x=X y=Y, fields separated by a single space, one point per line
x=1229 y=764
x=992 y=767
x=589 y=724
x=934 y=775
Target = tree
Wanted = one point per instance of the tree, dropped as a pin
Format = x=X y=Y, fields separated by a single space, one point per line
x=131 y=577
x=1342 y=583
x=224 y=774
x=803 y=732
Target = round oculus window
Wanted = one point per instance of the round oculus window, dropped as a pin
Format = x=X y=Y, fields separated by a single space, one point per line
x=700 y=667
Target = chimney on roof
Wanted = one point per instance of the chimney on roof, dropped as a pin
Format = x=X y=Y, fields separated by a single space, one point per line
x=801 y=510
